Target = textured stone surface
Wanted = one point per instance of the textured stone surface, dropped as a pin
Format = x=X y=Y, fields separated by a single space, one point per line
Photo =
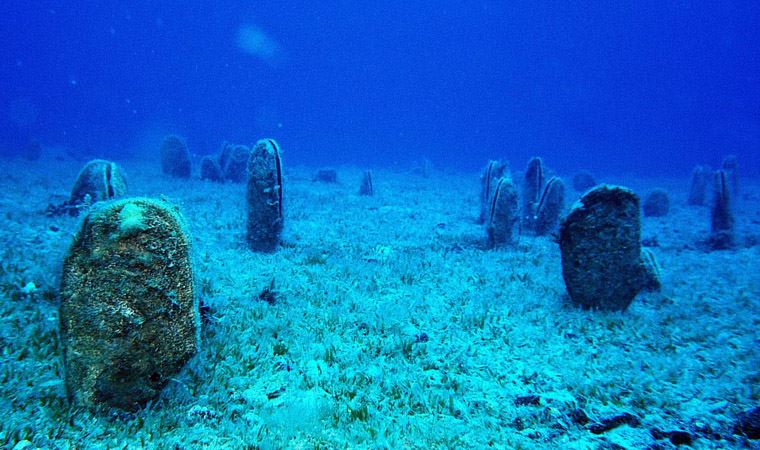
x=504 y=213
x=264 y=196
x=175 y=159
x=367 y=187
x=533 y=185
x=210 y=169
x=493 y=171
x=656 y=203
x=730 y=166
x=550 y=206
x=129 y=316
x=700 y=181
x=234 y=162
x=600 y=241
x=101 y=180
x=652 y=273
x=721 y=215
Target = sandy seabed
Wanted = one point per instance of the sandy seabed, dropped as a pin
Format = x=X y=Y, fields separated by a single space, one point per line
x=393 y=326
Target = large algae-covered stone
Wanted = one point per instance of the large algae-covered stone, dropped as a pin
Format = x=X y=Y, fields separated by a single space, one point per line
x=600 y=240
x=101 y=180
x=129 y=316
x=264 y=196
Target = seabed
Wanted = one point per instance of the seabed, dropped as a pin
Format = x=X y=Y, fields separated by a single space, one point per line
x=391 y=325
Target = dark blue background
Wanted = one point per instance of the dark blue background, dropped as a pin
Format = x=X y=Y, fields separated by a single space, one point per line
x=653 y=87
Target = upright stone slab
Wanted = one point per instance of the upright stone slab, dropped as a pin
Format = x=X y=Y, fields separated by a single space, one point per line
x=503 y=214
x=488 y=181
x=721 y=215
x=656 y=203
x=533 y=185
x=600 y=241
x=264 y=196
x=225 y=153
x=129 y=316
x=100 y=180
x=175 y=158
x=730 y=166
x=652 y=279
x=550 y=206
x=367 y=188
x=700 y=181
x=210 y=170
x=235 y=159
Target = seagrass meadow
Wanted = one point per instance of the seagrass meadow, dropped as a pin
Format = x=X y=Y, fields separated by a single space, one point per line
x=384 y=321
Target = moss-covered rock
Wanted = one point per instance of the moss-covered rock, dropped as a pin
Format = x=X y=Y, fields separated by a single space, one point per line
x=504 y=213
x=600 y=241
x=533 y=185
x=100 y=180
x=234 y=162
x=264 y=196
x=129 y=316
x=367 y=187
x=210 y=169
x=494 y=170
x=700 y=182
x=656 y=203
x=175 y=158
x=550 y=206
x=722 y=233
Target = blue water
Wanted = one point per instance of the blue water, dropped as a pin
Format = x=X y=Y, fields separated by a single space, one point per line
x=653 y=87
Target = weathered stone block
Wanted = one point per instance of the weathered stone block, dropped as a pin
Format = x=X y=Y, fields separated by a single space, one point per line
x=504 y=214
x=488 y=181
x=101 y=180
x=175 y=158
x=600 y=242
x=129 y=316
x=264 y=196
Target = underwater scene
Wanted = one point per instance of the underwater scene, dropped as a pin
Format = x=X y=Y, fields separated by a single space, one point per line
x=380 y=225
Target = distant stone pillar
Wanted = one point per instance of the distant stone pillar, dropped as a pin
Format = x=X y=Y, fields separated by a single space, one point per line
x=264 y=196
